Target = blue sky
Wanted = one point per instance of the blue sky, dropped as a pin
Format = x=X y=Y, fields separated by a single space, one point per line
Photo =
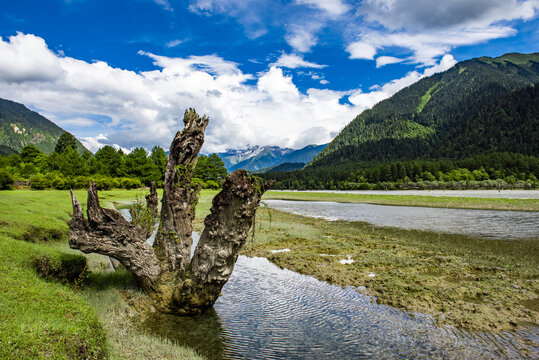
x=286 y=73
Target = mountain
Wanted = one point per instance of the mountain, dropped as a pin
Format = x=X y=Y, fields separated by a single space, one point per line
x=20 y=126
x=233 y=156
x=268 y=156
x=257 y=158
x=284 y=167
x=303 y=155
x=481 y=105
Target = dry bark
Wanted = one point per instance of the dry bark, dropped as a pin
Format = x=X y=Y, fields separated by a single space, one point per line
x=177 y=283
x=106 y=232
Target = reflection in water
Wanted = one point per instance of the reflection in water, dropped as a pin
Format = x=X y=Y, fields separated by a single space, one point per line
x=205 y=333
x=484 y=223
x=269 y=313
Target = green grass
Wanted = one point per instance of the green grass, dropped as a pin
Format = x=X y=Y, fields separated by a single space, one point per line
x=426 y=97
x=40 y=318
x=411 y=200
x=468 y=282
x=48 y=319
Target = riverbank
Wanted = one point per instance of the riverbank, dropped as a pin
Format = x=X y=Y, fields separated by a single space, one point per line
x=65 y=320
x=472 y=283
x=410 y=200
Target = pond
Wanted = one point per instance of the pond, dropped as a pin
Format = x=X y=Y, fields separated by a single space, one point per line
x=483 y=223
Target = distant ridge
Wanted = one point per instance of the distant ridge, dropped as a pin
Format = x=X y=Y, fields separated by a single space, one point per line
x=257 y=158
x=20 y=126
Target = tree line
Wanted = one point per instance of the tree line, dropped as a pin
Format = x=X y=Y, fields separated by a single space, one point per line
x=109 y=168
x=481 y=171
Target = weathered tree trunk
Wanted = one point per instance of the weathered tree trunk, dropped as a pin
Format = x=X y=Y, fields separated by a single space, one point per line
x=106 y=232
x=177 y=283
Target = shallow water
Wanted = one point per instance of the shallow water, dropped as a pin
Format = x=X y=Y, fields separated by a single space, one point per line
x=270 y=313
x=505 y=194
x=483 y=223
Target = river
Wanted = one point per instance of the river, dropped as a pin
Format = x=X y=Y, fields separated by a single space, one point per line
x=494 y=224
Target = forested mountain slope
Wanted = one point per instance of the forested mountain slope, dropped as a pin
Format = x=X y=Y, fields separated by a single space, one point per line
x=471 y=108
x=20 y=126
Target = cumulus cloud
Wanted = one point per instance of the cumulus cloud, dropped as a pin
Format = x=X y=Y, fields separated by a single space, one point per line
x=293 y=61
x=385 y=60
x=332 y=7
x=361 y=50
x=425 y=47
x=430 y=29
x=27 y=58
x=146 y=108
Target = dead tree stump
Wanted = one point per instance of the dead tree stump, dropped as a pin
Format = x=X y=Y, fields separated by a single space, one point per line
x=177 y=284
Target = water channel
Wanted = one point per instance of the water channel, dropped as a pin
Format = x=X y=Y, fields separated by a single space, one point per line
x=505 y=194
x=270 y=313
x=484 y=223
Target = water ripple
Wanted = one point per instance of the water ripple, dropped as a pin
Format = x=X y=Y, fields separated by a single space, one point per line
x=270 y=313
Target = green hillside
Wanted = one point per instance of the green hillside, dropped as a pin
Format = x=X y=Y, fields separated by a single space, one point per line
x=20 y=126
x=452 y=114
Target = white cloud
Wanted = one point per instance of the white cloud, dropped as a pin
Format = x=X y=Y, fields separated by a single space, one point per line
x=94 y=143
x=385 y=60
x=430 y=29
x=301 y=39
x=293 y=61
x=324 y=82
x=27 y=58
x=146 y=108
x=332 y=7
x=173 y=43
x=425 y=47
x=361 y=50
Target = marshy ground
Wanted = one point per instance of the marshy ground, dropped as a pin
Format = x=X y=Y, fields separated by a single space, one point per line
x=468 y=282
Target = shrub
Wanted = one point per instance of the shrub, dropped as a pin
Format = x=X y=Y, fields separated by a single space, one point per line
x=6 y=180
x=38 y=182
x=37 y=234
x=68 y=268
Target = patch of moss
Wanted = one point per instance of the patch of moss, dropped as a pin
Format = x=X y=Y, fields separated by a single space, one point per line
x=67 y=268
x=37 y=234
